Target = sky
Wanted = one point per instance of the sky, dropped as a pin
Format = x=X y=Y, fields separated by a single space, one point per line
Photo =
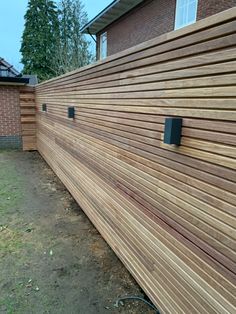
x=12 y=25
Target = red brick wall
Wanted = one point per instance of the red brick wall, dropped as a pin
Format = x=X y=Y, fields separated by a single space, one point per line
x=210 y=7
x=150 y=19
x=10 y=126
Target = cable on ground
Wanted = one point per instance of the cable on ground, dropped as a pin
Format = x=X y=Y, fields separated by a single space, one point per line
x=120 y=301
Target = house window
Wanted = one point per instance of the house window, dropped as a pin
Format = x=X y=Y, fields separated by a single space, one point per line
x=103 y=45
x=186 y=12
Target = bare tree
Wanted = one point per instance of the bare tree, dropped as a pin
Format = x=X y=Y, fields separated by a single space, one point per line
x=72 y=47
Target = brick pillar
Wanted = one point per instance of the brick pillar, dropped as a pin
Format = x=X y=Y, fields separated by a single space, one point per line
x=10 y=125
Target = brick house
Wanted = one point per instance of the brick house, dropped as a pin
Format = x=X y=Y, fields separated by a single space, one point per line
x=11 y=81
x=126 y=23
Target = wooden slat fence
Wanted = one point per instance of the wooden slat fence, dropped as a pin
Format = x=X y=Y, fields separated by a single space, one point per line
x=168 y=212
x=28 y=118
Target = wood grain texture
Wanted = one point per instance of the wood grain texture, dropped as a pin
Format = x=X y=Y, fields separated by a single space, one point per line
x=168 y=212
x=28 y=118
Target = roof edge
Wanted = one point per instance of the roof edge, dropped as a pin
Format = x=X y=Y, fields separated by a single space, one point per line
x=110 y=14
x=106 y=9
x=9 y=66
x=15 y=80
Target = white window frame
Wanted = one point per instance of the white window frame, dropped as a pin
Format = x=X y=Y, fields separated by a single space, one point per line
x=103 y=46
x=184 y=5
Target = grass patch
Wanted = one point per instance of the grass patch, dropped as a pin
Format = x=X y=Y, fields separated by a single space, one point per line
x=15 y=302
x=11 y=195
x=8 y=150
x=10 y=241
x=11 y=192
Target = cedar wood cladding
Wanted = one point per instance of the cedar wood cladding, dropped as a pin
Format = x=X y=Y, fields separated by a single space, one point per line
x=152 y=18
x=28 y=121
x=168 y=212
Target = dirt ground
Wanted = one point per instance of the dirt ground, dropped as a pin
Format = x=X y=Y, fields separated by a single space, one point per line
x=52 y=259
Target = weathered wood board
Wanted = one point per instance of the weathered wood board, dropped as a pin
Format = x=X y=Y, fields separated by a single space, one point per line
x=168 y=212
x=28 y=118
